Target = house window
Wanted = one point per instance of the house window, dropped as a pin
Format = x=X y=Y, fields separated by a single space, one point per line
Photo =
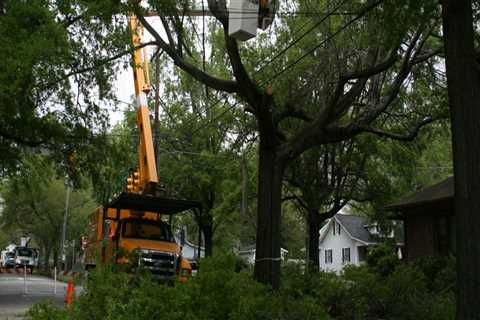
x=362 y=253
x=336 y=228
x=328 y=256
x=345 y=255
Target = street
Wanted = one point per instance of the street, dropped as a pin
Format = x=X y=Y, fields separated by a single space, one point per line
x=14 y=301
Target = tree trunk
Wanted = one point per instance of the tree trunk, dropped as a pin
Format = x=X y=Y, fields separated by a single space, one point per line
x=199 y=244
x=270 y=174
x=463 y=80
x=207 y=228
x=46 y=257
x=313 y=222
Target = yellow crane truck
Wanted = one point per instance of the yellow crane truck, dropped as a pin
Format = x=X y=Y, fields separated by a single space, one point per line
x=133 y=225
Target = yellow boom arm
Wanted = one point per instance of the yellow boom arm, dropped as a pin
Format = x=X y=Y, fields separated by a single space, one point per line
x=145 y=179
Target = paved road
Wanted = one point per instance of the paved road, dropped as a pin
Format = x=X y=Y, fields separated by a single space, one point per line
x=14 y=302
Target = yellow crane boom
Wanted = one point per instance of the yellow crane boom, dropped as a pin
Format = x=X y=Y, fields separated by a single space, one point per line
x=145 y=178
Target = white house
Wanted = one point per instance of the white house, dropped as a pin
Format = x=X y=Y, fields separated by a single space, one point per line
x=344 y=240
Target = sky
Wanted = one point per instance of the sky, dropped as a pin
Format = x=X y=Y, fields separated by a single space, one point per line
x=125 y=91
x=124 y=87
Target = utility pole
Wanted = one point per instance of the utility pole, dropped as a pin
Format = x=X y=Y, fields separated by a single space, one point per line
x=73 y=252
x=69 y=185
x=244 y=204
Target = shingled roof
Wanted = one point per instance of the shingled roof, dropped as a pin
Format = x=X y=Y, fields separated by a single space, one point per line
x=442 y=191
x=355 y=226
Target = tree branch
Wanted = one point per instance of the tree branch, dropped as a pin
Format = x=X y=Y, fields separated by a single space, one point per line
x=292 y=112
x=373 y=69
x=97 y=64
x=20 y=140
x=409 y=136
x=211 y=81
x=248 y=89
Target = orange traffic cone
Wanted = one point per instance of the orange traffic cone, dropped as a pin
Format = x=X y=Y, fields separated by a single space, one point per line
x=70 y=292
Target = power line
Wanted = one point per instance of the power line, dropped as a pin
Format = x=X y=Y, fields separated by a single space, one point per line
x=165 y=151
x=329 y=14
x=360 y=15
x=211 y=122
x=207 y=108
x=252 y=13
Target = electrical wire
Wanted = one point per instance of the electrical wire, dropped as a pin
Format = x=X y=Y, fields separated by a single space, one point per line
x=330 y=13
x=318 y=23
x=291 y=65
x=345 y=26
x=253 y=13
x=212 y=121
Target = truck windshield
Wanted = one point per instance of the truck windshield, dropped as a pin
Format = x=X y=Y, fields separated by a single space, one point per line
x=144 y=229
x=24 y=252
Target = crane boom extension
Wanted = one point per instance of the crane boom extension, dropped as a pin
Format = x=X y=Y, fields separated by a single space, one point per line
x=145 y=179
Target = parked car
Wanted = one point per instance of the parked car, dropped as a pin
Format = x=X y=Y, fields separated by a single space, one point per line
x=9 y=260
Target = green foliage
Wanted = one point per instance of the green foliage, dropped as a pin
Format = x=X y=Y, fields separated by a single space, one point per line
x=218 y=292
x=58 y=59
x=382 y=258
x=362 y=293
x=201 y=148
x=45 y=310
x=398 y=169
x=110 y=165
x=34 y=204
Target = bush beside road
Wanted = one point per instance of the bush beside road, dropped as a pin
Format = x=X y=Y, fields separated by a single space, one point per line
x=221 y=291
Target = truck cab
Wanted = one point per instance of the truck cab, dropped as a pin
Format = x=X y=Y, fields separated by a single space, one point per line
x=25 y=257
x=135 y=227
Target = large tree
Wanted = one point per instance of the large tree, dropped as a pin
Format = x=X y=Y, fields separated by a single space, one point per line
x=463 y=79
x=322 y=182
x=358 y=76
x=198 y=164
x=58 y=61
x=34 y=205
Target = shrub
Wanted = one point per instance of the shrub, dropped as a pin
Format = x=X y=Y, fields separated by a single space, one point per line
x=362 y=293
x=382 y=258
x=218 y=292
x=45 y=310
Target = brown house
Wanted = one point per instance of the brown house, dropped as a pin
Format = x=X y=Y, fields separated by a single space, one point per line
x=429 y=220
